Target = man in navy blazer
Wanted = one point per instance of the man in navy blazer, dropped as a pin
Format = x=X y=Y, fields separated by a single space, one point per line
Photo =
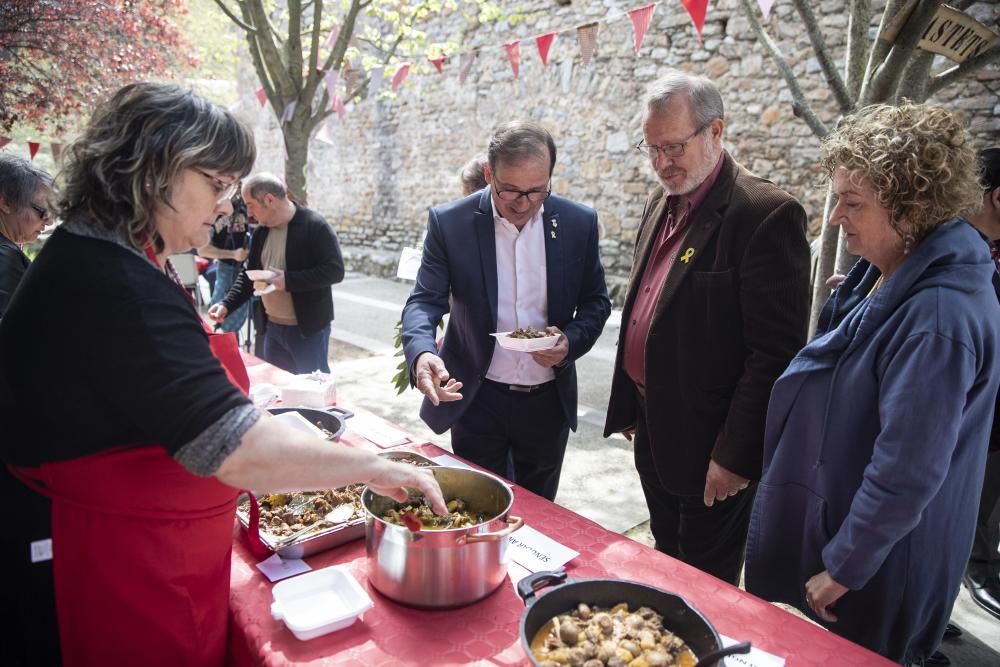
x=509 y=256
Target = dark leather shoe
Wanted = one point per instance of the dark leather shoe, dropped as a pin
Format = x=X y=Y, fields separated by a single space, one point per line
x=985 y=592
x=937 y=659
x=952 y=631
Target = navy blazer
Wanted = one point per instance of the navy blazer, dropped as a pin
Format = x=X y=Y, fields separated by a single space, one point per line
x=460 y=262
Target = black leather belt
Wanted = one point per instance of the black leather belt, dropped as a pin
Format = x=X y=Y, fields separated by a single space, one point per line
x=522 y=388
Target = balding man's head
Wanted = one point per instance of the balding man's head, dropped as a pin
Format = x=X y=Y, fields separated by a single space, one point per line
x=267 y=199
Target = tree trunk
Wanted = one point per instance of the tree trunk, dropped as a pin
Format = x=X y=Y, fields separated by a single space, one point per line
x=297 y=150
x=825 y=264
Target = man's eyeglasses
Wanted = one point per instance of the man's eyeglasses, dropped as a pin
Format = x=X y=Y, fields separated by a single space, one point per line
x=43 y=213
x=222 y=189
x=533 y=196
x=670 y=150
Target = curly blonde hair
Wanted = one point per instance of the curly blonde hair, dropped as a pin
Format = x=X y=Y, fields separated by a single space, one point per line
x=919 y=160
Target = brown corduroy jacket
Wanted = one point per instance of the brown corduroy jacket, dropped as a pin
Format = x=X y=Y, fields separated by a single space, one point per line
x=725 y=326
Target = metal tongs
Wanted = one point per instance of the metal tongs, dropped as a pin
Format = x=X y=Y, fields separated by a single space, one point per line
x=342 y=513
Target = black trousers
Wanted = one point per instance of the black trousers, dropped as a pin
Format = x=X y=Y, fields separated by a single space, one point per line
x=985 y=559
x=29 y=633
x=712 y=539
x=518 y=435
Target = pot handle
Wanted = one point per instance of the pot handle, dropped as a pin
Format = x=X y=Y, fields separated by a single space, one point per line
x=337 y=410
x=513 y=523
x=533 y=583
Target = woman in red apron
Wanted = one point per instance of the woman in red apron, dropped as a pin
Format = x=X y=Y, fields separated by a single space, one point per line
x=153 y=433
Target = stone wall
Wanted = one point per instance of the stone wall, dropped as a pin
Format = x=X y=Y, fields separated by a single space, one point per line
x=393 y=159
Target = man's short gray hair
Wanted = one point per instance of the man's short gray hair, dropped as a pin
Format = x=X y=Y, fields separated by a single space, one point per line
x=20 y=180
x=704 y=95
x=264 y=183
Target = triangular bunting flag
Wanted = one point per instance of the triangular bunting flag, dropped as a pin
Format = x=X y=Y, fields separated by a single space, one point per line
x=587 y=35
x=765 y=6
x=375 y=80
x=400 y=75
x=57 y=150
x=289 y=111
x=696 y=10
x=351 y=76
x=641 y=18
x=465 y=65
x=544 y=43
x=4 y=141
x=261 y=96
x=332 y=37
x=324 y=133
x=438 y=63
x=338 y=106
x=331 y=82
x=33 y=147
x=513 y=50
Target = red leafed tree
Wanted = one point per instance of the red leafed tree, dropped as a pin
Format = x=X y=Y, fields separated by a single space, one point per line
x=58 y=57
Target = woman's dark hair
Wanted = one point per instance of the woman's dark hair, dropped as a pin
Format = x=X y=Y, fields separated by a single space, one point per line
x=130 y=154
x=472 y=176
x=518 y=141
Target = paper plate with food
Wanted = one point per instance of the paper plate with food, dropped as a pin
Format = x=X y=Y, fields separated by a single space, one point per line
x=527 y=339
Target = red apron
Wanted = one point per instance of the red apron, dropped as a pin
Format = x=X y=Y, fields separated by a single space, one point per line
x=141 y=552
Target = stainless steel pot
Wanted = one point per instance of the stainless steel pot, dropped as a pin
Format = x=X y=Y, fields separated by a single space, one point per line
x=442 y=568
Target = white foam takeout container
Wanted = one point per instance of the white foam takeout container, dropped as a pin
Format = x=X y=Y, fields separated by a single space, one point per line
x=260 y=274
x=525 y=344
x=319 y=602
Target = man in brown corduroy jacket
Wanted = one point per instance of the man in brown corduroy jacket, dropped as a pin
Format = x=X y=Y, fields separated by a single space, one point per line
x=717 y=305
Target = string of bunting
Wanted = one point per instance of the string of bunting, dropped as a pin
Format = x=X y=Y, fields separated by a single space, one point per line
x=587 y=35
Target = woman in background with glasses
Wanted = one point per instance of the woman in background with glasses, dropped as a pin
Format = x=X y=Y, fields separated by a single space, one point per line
x=24 y=193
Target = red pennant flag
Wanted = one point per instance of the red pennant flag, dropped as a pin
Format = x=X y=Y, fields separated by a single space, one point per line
x=696 y=10
x=765 y=6
x=33 y=147
x=262 y=96
x=544 y=42
x=438 y=63
x=641 y=18
x=338 y=106
x=4 y=141
x=587 y=34
x=513 y=50
x=400 y=75
x=332 y=37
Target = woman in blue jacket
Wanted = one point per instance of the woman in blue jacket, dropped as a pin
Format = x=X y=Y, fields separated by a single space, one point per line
x=877 y=432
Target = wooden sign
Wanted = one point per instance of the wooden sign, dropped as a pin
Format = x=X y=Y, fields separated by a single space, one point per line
x=951 y=33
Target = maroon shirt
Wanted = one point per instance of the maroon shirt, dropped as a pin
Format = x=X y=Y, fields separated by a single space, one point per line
x=672 y=233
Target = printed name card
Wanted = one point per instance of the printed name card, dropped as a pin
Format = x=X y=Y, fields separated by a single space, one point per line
x=537 y=552
x=377 y=431
x=276 y=568
x=755 y=658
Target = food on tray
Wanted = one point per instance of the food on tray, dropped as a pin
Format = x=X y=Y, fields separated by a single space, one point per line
x=260 y=285
x=459 y=515
x=529 y=332
x=615 y=637
x=282 y=514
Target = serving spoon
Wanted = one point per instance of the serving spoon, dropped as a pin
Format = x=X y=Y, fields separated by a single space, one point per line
x=710 y=659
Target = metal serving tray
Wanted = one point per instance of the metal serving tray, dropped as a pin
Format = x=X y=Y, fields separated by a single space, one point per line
x=332 y=536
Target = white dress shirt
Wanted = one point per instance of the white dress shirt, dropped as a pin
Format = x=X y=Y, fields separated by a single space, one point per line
x=522 y=296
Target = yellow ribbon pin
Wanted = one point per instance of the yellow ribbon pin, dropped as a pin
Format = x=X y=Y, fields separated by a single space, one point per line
x=688 y=254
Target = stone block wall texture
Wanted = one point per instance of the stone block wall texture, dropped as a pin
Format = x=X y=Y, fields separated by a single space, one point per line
x=393 y=159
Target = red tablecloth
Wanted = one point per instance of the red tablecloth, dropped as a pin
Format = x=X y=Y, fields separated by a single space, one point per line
x=486 y=633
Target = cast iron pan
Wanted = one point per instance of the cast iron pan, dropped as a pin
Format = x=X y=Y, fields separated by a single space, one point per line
x=333 y=419
x=678 y=616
